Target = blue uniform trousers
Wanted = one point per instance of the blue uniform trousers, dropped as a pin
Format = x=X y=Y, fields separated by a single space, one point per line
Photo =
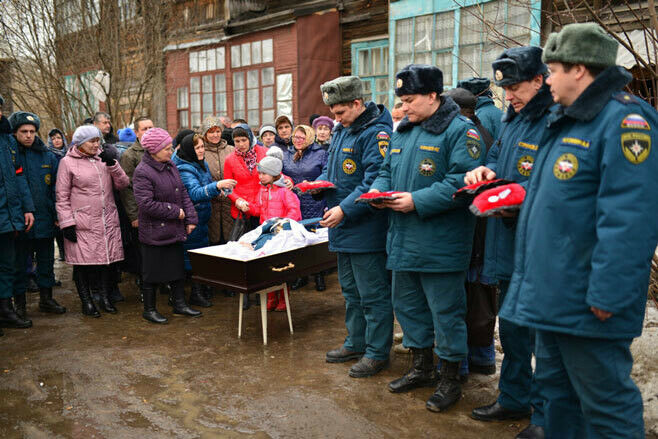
x=368 y=309
x=518 y=387
x=7 y=264
x=431 y=307
x=587 y=387
x=45 y=258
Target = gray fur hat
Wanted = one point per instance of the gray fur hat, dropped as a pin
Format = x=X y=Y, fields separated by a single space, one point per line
x=581 y=43
x=342 y=89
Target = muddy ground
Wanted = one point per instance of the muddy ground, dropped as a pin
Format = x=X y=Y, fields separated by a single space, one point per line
x=119 y=376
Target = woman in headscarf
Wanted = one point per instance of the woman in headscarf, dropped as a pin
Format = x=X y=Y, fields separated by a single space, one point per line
x=57 y=145
x=305 y=161
x=216 y=151
x=87 y=213
x=202 y=190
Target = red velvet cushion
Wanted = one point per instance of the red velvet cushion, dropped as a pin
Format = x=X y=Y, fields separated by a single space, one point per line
x=317 y=184
x=492 y=201
x=472 y=190
x=376 y=197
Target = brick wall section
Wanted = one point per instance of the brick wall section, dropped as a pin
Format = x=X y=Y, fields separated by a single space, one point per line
x=176 y=75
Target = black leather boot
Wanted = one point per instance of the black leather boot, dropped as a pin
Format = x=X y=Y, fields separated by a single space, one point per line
x=422 y=372
x=9 y=318
x=20 y=305
x=197 y=298
x=150 y=313
x=82 y=285
x=178 y=298
x=299 y=282
x=48 y=304
x=207 y=292
x=106 y=286
x=449 y=389
x=319 y=282
x=115 y=295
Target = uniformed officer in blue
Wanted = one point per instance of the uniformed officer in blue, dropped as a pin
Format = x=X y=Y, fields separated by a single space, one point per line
x=485 y=109
x=585 y=238
x=521 y=73
x=356 y=231
x=40 y=170
x=429 y=235
x=16 y=215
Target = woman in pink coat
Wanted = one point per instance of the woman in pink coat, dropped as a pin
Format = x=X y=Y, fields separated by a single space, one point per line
x=88 y=215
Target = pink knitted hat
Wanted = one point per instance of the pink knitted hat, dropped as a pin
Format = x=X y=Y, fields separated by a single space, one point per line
x=155 y=139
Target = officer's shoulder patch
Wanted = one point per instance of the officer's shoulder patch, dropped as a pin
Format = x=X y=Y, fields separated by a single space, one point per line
x=635 y=121
x=473 y=134
x=474 y=148
x=383 y=135
x=636 y=146
x=383 y=139
x=625 y=98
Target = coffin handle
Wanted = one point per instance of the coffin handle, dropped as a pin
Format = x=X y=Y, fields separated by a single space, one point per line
x=287 y=267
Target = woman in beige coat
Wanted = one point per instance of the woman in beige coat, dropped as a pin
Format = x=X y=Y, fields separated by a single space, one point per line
x=221 y=222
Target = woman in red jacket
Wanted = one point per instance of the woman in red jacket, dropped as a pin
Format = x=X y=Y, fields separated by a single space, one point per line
x=241 y=166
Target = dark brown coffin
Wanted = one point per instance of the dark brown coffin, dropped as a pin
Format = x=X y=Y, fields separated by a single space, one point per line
x=257 y=274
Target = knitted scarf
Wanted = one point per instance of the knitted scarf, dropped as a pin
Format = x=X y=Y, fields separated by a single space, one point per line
x=249 y=157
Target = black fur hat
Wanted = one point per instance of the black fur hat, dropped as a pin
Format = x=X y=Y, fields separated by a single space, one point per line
x=418 y=79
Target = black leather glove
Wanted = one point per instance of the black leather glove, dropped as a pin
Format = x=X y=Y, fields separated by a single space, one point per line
x=107 y=158
x=69 y=233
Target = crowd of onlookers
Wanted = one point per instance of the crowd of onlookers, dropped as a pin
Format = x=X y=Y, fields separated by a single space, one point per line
x=136 y=200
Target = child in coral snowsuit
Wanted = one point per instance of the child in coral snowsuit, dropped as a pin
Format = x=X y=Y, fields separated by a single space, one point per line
x=275 y=201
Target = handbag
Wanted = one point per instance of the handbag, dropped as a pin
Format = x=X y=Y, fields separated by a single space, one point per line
x=239 y=227
x=481 y=310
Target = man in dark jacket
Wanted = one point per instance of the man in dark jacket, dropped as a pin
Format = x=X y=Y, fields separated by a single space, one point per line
x=40 y=169
x=521 y=73
x=485 y=109
x=16 y=215
x=585 y=238
x=429 y=235
x=357 y=232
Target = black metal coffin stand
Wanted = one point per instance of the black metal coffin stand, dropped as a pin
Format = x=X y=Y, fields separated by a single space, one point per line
x=262 y=275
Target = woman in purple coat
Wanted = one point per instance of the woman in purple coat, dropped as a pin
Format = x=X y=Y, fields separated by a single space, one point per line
x=305 y=161
x=166 y=216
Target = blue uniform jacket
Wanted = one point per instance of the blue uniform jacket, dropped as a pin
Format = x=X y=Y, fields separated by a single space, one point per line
x=512 y=157
x=588 y=226
x=355 y=156
x=15 y=197
x=309 y=167
x=40 y=170
x=201 y=188
x=429 y=160
x=489 y=115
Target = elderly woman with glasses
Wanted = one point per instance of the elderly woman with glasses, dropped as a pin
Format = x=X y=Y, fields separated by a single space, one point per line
x=305 y=161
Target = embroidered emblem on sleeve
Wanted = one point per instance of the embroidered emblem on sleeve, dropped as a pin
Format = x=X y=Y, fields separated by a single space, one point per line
x=636 y=122
x=636 y=147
